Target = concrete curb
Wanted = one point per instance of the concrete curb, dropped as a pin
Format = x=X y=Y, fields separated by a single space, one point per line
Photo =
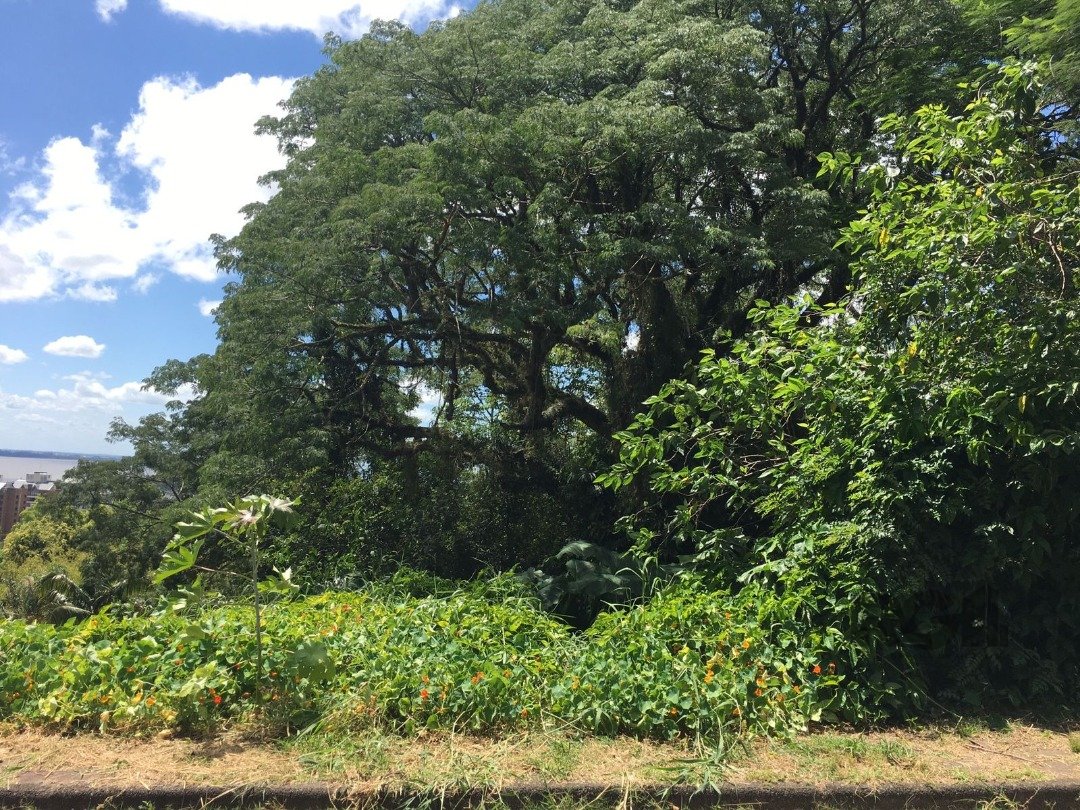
x=322 y=796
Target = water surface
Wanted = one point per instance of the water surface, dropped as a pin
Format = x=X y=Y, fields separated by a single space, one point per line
x=13 y=467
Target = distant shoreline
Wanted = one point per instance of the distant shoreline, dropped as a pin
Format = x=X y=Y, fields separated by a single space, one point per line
x=50 y=454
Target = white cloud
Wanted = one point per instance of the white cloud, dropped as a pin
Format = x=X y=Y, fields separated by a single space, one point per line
x=10 y=356
x=9 y=165
x=429 y=404
x=93 y=292
x=107 y=8
x=88 y=392
x=82 y=411
x=345 y=17
x=143 y=283
x=75 y=346
x=207 y=308
x=192 y=151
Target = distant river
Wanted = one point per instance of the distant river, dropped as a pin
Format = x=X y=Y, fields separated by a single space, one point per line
x=13 y=467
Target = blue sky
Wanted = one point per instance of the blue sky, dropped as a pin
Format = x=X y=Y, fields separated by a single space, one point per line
x=126 y=139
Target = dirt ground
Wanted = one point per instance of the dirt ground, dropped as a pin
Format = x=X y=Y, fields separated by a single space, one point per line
x=970 y=754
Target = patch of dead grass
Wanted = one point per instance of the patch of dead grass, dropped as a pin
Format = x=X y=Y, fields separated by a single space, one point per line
x=929 y=756
x=373 y=759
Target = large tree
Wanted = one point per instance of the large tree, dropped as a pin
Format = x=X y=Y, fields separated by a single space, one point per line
x=540 y=212
x=526 y=221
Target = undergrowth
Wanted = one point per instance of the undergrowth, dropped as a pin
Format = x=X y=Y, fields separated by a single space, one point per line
x=483 y=658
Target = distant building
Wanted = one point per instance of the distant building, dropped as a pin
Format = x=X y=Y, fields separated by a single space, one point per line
x=40 y=490
x=16 y=497
x=13 y=500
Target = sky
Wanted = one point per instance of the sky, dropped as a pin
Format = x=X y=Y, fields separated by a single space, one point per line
x=126 y=140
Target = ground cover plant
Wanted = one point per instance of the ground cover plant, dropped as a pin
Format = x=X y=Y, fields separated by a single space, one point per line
x=483 y=658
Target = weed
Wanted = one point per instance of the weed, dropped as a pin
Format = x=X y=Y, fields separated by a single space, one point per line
x=1000 y=802
x=558 y=759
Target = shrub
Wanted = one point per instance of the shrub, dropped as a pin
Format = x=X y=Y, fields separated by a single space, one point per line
x=906 y=460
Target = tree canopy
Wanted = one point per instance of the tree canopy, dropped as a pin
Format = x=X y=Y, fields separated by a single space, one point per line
x=537 y=214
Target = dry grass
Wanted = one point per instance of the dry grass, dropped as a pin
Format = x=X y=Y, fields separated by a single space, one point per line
x=927 y=756
x=433 y=761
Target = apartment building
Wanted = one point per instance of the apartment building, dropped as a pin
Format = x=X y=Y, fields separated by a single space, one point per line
x=13 y=500
x=16 y=496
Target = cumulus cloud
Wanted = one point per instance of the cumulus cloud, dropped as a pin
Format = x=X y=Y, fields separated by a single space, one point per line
x=191 y=149
x=107 y=8
x=93 y=292
x=90 y=391
x=10 y=356
x=208 y=308
x=345 y=17
x=84 y=408
x=75 y=346
x=143 y=283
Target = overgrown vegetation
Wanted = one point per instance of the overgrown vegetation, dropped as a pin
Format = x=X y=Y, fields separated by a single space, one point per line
x=837 y=289
x=901 y=465
x=484 y=658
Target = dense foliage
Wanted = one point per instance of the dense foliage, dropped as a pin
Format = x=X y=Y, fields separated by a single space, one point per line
x=911 y=461
x=1046 y=30
x=847 y=300
x=494 y=239
x=484 y=658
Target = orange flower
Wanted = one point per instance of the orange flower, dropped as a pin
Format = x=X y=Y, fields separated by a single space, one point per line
x=524 y=712
x=817 y=669
x=479 y=676
x=708 y=676
x=150 y=701
x=424 y=694
x=737 y=711
x=746 y=644
x=758 y=692
x=217 y=700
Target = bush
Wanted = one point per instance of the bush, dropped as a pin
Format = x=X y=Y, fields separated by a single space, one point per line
x=40 y=569
x=484 y=657
x=907 y=459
